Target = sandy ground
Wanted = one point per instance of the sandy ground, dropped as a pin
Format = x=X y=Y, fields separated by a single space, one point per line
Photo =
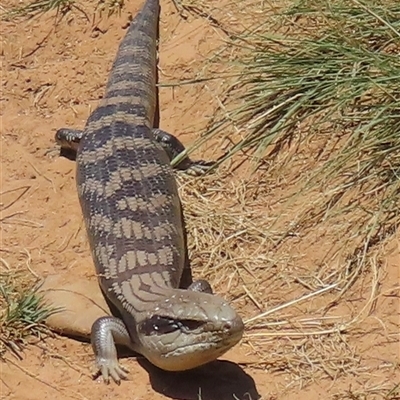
x=52 y=77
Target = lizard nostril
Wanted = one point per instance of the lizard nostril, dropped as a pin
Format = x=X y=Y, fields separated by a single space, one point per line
x=227 y=326
x=235 y=325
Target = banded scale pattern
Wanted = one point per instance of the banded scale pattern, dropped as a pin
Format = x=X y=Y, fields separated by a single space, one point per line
x=122 y=171
x=133 y=217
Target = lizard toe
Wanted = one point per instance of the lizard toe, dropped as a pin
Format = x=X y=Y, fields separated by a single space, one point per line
x=111 y=369
x=118 y=372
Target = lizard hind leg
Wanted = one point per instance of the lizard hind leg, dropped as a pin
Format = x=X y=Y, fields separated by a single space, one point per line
x=68 y=138
x=173 y=147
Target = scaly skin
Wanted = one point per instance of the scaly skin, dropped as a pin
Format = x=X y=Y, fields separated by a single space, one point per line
x=133 y=217
x=69 y=140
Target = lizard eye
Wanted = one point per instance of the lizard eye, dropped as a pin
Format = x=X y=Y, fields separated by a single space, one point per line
x=159 y=325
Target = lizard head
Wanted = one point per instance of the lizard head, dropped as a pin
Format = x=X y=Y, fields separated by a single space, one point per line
x=188 y=329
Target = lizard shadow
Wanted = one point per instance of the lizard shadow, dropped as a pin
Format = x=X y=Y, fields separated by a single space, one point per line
x=68 y=153
x=218 y=380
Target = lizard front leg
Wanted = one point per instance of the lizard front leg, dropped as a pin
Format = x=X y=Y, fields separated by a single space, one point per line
x=106 y=333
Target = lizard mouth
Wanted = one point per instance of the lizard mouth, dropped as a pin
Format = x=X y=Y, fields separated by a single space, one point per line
x=191 y=355
x=215 y=345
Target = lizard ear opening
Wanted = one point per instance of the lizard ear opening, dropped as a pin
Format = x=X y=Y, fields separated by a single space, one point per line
x=160 y=325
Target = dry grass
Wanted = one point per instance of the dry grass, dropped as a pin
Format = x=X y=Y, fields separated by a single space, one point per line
x=315 y=91
x=379 y=392
x=22 y=311
x=295 y=322
x=36 y=8
x=329 y=157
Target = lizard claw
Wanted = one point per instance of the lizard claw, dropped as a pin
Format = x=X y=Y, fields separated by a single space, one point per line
x=199 y=168
x=107 y=368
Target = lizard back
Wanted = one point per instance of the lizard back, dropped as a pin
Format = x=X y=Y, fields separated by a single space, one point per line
x=126 y=186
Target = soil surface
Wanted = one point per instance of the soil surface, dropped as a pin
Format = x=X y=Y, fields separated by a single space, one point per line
x=53 y=75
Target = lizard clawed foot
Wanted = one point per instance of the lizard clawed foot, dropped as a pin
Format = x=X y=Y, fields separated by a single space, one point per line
x=106 y=331
x=198 y=168
x=107 y=368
